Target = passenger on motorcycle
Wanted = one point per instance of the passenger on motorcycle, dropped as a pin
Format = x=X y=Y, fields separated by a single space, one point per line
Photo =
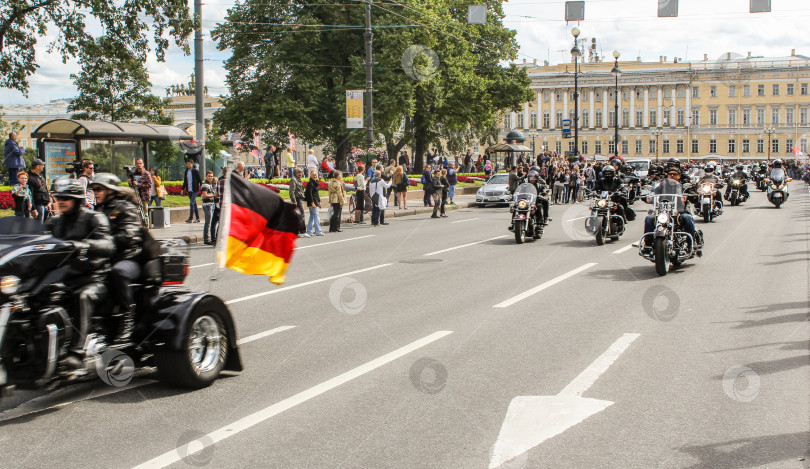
x=709 y=177
x=118 y=204
x=739 y=174
x=90 y=234
x=671 y=185
x=610 y=183
x=777 y=173
x=534 y=179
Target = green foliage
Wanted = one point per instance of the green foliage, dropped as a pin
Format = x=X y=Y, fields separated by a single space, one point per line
x=7 y=127
x=213 y=142
x=24 y=22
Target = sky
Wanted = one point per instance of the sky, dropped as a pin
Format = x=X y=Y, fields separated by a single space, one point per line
x=712 y=27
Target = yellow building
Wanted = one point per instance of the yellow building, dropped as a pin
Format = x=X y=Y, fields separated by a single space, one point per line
x=722 y=107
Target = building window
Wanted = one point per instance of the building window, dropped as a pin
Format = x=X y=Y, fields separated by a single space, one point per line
x=546 y=96
x=559 y=96
x=776 y=90
x=803 y=145
x=570 y=146
x=803 y=115
x=681 y=91
x=584 y=147
x=789 y=115
x=667 y=120
x=638 y=147
x=654 y=92
x=775 y=116
x=597 y=147
x=571 y=117
x=761 y=146
x=639 y=117
x=788 y=145
x=598 y=119
x=586 y=119
x=746 y=117
x=598 y=94
x=695 y=117
x=546 y=120
x=803 y=89
x=747 y=91
x=520 y=120
x=712 y=116
x=570 y=95
x=789 y=90
x=760 y=116
x=746 y=146
x=611 y=118
x=775 y=146
x=679 y=146
x=713 y=92
x=533 y=118
x=695 y=91
x=652 y=146
x=639 y=93
x=625 y=94
x=611 y=147
x=695 y=146
x=559 y=119
x=681 y=117
x=665 y=147
x=612 y=95
x=653 y=120
x=667 y=92
x=625 y=147
x=732 y=147
x=732 y=117
x=732 y=91
x=584 y=94
x=712 y=146
x=558 y=148
x=625 y=117
x=507 y=121
x=545 y=146
x=760 y=90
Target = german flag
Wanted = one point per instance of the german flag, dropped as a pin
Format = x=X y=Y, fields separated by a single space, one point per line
x=260 y=230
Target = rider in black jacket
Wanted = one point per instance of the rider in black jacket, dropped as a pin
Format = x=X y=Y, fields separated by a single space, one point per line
x=534 y=179
x=739 y=174
x=709 y=177
x=118 y=205
x=610 y=183
x=90 y=233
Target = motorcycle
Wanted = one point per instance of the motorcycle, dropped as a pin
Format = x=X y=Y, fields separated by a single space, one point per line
x=736 y=195
x=670 y=246
x=605 y=221
x=761 y=181
x=708 y=205
x=189 y=336
x=523 y=208
x=778 y=191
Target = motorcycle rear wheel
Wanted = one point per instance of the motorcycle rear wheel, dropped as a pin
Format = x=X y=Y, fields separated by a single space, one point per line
x=204 y=355
x=661 y=258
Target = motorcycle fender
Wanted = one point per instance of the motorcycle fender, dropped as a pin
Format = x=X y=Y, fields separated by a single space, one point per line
x=706 y=201
x=171 y=327
x=593 y=224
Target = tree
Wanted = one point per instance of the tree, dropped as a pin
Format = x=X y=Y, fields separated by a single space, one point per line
x=213 y=144
x=113 y=83
x=24 y=22
x=164 y=152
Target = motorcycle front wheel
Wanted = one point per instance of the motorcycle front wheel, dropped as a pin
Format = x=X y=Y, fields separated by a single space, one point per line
x=520 y=234
x=600 y=236
x=661 y=258
x=707 y=216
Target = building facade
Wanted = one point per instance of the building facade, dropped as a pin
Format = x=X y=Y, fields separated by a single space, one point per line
x=734 y=107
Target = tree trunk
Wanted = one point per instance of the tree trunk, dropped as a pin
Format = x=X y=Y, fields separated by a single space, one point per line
x=341 y=152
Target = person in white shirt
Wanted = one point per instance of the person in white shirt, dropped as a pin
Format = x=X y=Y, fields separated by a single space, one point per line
x=312 y=162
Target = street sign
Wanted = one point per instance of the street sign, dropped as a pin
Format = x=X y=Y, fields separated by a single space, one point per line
x=760 y=6
x=575 y=11
x=566 y=128
x=667 y=8
x=477 y=14
x=354 y=109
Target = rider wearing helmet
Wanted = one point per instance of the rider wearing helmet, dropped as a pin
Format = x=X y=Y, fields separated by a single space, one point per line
x=739 y=174
x=710 y=177
x=672 y=186
x=118 y=204
x=90 y=234
x=610 y=183
x=534 y=179
x=777 y=173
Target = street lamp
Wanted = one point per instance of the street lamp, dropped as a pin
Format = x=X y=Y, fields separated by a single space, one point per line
x=657 y=133
x=769 y=131
x=576 y=54
x=616 y=72
x=533 y=135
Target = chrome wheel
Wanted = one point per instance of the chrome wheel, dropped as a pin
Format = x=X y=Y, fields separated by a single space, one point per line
x=204 y=344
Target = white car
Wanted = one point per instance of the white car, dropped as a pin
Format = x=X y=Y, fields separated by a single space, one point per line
x=641 y=166
x=494 y=191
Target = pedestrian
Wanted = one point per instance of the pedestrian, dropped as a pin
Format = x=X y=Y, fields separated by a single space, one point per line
x=337 y=197
x=351 y=162
x=580 y=188
x=220 y=191
x=158 y=192
x=571 y=183
x=297 y=198
x=559 y=183
x=141 y=181
x=208 y=194
x=388 y=176
x=191 y=184
x=436 y=193
x=313 y=198
x=452 y=179
x=401 y=183
x=445 y=189
x=377 y=187
x=312 y=162
x=371 y=168
x=86 y=177
x=359 y=195
x=39 y=189
x=13 y=156
x=514 y=179
x=487 y=169
x=270 y=161
x=23 y=198
x=286 y=167
x=427 y=186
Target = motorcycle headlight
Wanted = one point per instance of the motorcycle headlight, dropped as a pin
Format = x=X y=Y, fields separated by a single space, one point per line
x=9 y=284
x=706 y=188
x=602 y=202
x=663 y=218
x=782 y=186
x=773 y=186
x=523 y=204
x=737 y=181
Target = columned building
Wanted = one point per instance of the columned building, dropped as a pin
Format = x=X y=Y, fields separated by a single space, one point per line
x=731 y=107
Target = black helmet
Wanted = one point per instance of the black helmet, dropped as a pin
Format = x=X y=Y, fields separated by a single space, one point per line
x=673 y=163
x=69 y=188
x=660 y=169
x=739 y=167
x=535 y=168
x=532 y=174
x=608 y=171
x=777 y=164
x=616 y=162
x=107 y=180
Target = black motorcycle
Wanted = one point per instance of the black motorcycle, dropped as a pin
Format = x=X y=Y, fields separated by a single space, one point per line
x=605 y=221
x=523 y=209
x=671 y=244
x=189 y=336
x=736 y=196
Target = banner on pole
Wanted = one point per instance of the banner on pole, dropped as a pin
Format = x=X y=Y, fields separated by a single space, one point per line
x=354 y=109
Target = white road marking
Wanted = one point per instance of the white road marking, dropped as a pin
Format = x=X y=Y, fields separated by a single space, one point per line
x=332 y=242
x=542 y=287
x=531 y=420
x=261 y=335
x=175 y=455
x=578 y=218
x=202 y=265
x=299 y=285
x=462 y=221
x=464 y=246
x=619 y=251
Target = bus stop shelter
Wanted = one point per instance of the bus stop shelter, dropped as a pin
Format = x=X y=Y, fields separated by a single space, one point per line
x=59 y=140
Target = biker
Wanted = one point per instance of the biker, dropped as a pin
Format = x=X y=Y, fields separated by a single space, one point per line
x=777 y=173
x=118 y=204
x=709 y=177
x=539 y=184
x=672 y=185
x=739 y=174
x=611 y=184
x=90 y=234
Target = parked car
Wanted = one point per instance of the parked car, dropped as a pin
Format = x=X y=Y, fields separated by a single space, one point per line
x=494 y=191
x=641 y=166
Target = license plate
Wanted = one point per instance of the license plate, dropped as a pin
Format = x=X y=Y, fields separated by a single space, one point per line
x=493 y=198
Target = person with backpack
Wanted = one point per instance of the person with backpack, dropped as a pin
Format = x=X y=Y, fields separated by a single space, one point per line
x=376 y=188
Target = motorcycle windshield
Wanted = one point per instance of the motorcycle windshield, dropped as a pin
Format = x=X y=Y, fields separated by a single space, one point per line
x=526 y=192
x=669 y=190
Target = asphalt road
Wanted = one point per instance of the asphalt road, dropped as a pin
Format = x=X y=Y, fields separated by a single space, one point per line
x=405 y=345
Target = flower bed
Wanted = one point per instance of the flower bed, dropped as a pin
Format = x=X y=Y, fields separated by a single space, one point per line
x=6 y=201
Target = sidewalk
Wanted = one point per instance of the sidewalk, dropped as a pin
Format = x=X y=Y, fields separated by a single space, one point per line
x=191 y=233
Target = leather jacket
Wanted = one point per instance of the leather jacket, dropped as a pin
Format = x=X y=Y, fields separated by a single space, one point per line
x=125 y=225
x=91 y=231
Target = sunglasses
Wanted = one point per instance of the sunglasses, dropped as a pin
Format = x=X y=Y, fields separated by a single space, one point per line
x=62 y=198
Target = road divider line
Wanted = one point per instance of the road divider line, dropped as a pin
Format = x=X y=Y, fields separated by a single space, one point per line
x=202 y=265
x=264 y=334
x=462 y=221
x=575 y=219
x=619 y=251
x=177 y=454
x=332 y=242
x=539 y=288
x=589 y=375
x=299 y=285
x=464 y=245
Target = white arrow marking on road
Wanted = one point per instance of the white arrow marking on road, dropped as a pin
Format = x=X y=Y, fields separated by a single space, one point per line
x=264 y=334
x=464 y=245
x=175 y=455
x=542 y=287
x=619 y=251
x=532 y=420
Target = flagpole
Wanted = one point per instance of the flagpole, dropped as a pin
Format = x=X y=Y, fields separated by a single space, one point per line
x=224 y=222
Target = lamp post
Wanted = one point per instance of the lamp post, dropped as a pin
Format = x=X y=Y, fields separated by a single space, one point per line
x=533 y=135
x=575 y=52
x=616 y=72
x=657 y=133
x=769 y=131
